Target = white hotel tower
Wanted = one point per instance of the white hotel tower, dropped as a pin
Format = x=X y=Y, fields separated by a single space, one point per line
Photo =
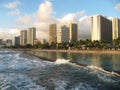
x=62 y=33
x=31 y=35
x=115 y=28
x=101 y=28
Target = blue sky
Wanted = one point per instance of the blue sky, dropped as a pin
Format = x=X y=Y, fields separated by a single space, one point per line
x=61 y=7
x=13 y=12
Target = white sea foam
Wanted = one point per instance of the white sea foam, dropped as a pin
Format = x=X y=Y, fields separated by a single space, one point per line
x=16 y=62
x=18 y=81
x=61 y=61
x=103 y=74
x=60 y=84
x=96 y=68
x=101 y=69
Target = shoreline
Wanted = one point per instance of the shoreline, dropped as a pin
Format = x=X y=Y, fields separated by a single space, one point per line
x=71 y=51
x=80 y=51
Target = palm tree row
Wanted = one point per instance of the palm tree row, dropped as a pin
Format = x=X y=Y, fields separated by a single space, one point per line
x=81 y=44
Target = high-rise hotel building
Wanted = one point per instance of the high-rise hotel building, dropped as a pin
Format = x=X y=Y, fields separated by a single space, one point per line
x=115 y=28
x=73 y=31
x=17 y=40
x=31 y=35
x=101 y=28
x=62 y=34
x=23 y=37
x=52 y=33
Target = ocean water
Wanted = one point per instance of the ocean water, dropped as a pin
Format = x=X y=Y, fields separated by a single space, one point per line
x=20 y=71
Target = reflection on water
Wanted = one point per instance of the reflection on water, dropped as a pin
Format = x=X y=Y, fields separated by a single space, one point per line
x=105 y=61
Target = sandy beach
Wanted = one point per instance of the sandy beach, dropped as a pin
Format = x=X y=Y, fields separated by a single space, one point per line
x=81 y=51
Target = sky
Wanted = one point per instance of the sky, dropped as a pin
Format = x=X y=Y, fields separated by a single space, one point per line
x=16 y=15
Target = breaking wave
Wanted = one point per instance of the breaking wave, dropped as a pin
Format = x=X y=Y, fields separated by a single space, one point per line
x=95 y=68
x=16 y=62
x=62 y=61
x=102 y=70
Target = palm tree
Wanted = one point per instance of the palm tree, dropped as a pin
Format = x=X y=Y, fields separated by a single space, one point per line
x=116 y=43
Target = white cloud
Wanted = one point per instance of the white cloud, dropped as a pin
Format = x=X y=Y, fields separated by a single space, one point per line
x=69 y=18
x=84 y=23
x=14 y=12
x=117 y=7
x=84 y=27
x=43 y=18
x=12 y=5
x=44 y=11
x=72 y=17
x=26 y=19
x=8 y=33
x=42 y=30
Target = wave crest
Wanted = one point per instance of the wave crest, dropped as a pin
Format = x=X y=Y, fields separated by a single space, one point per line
x=62 y=61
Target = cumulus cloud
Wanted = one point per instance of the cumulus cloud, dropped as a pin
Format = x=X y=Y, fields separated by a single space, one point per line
x=44 y=11
x=72 y=17
x=8 y=33
x=117 y=7
x=26 y=19
x=42 y=30
x=84 y=23
x=84 y=27
x=12 y=5
x=43 y=17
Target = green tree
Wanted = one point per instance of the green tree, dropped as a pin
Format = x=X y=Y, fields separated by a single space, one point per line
x=116 y=43
x=63 y=45
x=53 y=45
x=28 y=46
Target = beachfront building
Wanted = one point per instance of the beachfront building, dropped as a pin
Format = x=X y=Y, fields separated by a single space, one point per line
x=31 y=35
x=73 y=31
x=8 y=42
x=62 y=34
x=101 y=28
x=1 y=41
x=23 y=37
x=17 y=41
x=115 y=28
x=52 y=33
